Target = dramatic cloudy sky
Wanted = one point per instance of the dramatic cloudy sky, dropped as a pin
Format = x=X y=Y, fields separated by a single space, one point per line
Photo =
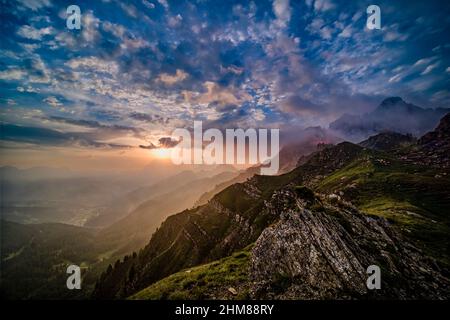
x=137 y=69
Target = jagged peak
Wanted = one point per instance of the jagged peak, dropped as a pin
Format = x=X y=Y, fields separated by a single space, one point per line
x=441 y=132
x=391 y=101
x=444 y=124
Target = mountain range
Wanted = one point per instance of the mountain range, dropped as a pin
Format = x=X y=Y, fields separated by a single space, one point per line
x=310 y=233
x=393 y=114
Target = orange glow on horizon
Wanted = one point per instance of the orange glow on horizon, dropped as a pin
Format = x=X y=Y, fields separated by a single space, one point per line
x=161 y=153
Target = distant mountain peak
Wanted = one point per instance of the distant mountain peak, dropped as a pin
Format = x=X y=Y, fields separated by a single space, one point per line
x=391 y=101
x=393 y=114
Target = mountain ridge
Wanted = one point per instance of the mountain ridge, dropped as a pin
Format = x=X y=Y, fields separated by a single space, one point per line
x=240 y=214
x=392 y=114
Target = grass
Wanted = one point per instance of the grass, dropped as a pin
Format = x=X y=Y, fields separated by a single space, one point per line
x=409 y=196
x=352 y=173
x=208 y=281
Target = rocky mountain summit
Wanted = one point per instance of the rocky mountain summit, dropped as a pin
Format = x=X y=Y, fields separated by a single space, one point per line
x=436 y=144
x=322 y=252
x=433 y=148
x=441 y=134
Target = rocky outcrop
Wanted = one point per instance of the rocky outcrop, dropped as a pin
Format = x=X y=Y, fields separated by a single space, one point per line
x=323 y=253
x=440 y=134
x=433 y=149
x=388 y=141
x=436 y=144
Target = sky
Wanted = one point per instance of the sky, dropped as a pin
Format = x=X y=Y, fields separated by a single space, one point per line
x=136 y=70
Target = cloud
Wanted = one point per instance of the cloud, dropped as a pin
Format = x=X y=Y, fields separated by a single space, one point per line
x=167 y=142
x=169 y=79
x=318 y=26
x=148 y=118
x=102 y=131
x=93 y=65
x=148 y=4
x=164 y=143
x=323 y=5
x=282 y=11
x=53 y=101
x=151 y=146
x=11 y=102
x=346 y=32
x=12 y=74
x=175 y=21
x=32 y=69
x=300 y=106
x=48 y=137
x=90 y=28
x=220 y=62
x=28 y=89
x=142 y=116
x=430 y=68
x=392 y=33
x=129 y=9
x=35 y=5
x=115 y=29
x=164 y=4
x=422 y=66
x=326 y=32
x=218 y=95
x=32 y=33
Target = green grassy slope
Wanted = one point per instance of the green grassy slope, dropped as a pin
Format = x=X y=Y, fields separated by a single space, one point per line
x=414 y=198
x=226 y=278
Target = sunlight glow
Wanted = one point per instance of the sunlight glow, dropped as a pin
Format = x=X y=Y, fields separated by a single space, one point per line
x=161 y=153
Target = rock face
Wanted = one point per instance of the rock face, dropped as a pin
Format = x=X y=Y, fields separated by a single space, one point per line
x=442 y=132
x=434 y=147
x=324 y=254
x=312 y=262
x=388 y=141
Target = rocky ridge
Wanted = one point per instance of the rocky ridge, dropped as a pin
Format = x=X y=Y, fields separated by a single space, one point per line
x=322 y=252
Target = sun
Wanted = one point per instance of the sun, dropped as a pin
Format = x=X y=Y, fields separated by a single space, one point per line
x=161 y=153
